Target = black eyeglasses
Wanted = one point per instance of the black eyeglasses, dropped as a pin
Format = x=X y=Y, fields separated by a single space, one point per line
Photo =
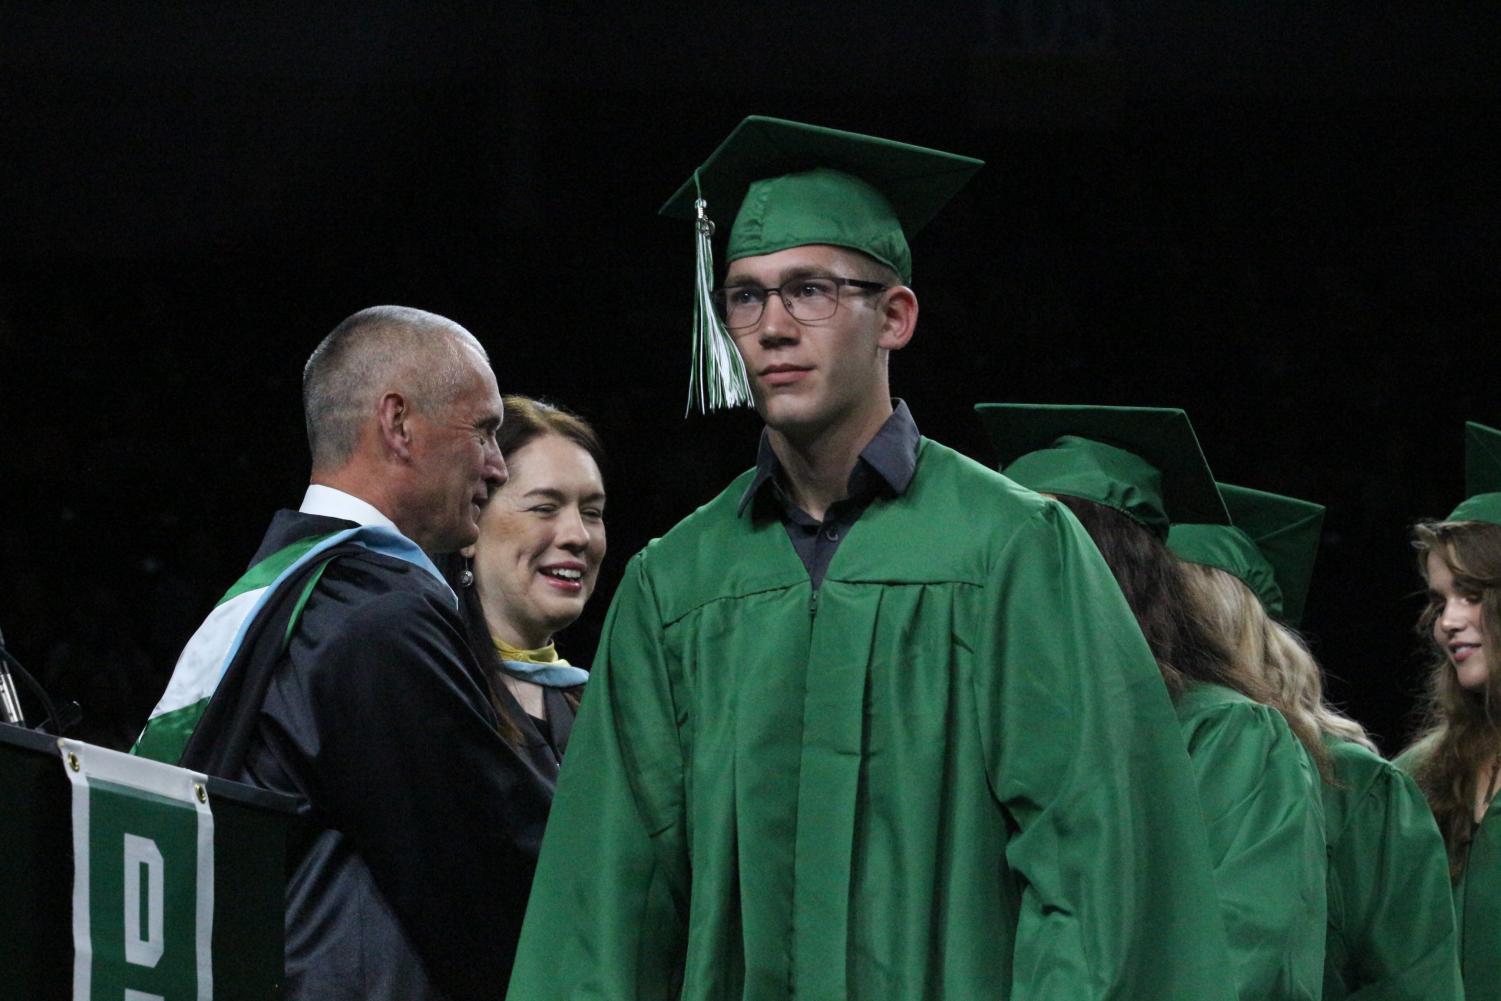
x=806 y=299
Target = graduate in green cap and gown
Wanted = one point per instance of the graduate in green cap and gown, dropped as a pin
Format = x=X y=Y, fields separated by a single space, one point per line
x=1391 y=928
x=874 y=722
x=1124 y=471
x=1457 y=759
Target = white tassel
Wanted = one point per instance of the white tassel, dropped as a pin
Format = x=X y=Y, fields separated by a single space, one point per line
x=717 y=379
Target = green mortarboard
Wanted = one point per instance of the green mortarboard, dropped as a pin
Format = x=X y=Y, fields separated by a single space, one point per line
x=1143 y=461
x=1271 y=547
x=1482 y=475
x=791 y=185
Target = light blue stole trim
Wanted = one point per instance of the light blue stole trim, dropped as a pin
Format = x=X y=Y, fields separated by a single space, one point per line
x=546 y=675
x=375 y=538
x=379 y=539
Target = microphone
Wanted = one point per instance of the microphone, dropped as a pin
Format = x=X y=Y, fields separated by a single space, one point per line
x=10 y=699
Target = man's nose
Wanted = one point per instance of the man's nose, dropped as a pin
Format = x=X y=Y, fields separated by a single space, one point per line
x=496 y=472
x=777 y=322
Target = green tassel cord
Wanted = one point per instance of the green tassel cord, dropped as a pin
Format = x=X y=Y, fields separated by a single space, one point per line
x=717 y=379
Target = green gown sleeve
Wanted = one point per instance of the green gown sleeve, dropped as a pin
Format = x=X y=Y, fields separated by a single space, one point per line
x=1263 y=813
x=1086 y=756
x=1477 y=900
x=1409 y=760
x=1477 y=894
x=615 y=853
x=1391 y=914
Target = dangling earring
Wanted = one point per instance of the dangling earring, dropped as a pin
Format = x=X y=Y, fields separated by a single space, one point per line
x=466 y=576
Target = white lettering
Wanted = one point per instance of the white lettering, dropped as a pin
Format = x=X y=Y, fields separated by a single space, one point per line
x=143 y=951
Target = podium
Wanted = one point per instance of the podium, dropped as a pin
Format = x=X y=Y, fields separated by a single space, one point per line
x=238 y=954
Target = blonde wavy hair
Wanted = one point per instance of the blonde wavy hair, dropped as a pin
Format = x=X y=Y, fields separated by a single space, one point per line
x=1275 y=656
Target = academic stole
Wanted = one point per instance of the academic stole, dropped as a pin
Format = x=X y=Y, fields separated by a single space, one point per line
x=222 y=636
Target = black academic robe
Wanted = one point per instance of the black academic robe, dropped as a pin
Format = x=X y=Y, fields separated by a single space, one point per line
x=542 y=741
x=420 y=826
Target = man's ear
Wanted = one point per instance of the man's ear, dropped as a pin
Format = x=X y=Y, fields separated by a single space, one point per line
x=395 y=424
x=898 y=317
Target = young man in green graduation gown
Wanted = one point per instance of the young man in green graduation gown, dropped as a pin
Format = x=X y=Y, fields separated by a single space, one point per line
x=874 y=722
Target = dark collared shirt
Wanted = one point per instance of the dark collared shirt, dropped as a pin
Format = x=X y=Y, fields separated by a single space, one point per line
x=884 y=469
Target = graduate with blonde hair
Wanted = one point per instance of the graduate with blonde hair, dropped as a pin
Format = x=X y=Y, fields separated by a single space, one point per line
x=1391 y=928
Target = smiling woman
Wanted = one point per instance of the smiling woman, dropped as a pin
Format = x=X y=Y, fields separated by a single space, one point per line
x=541 y=543
x=1457 y=761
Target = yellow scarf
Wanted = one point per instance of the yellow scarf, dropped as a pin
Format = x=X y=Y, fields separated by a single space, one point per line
x=542 y=655
x=541 y=666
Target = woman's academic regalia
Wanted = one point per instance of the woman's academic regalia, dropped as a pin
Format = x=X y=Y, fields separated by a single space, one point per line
x=1391 y=919
x=1477 y=909
x=546 y=739
x=1390 y=932
x=1257 y=789
x=1476 y=895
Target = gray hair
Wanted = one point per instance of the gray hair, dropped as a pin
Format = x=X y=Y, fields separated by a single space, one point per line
x=422 y=355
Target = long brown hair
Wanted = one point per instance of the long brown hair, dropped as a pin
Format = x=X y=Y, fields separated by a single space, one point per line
x=1181 y=637
x=1461 y=728
x=526 y=420
x=1149 y=576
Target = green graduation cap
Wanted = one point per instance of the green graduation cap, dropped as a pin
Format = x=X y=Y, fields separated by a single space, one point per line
x=1482 y=475
x=788 y=184
x=1271 y=547
x=1143 y=461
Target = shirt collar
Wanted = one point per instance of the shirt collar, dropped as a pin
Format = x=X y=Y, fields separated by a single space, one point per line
x=333 y=503
x=891 y=455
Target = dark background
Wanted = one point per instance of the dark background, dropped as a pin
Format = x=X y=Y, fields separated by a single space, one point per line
x=1279 y=216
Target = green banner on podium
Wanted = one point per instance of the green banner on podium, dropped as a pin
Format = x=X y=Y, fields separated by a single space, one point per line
x=143 y=878
x=127 y=879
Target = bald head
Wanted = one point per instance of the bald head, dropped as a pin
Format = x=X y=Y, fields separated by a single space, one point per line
x=425 y=357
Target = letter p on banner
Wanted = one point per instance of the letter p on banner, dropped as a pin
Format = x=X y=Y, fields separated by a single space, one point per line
x=143 y=878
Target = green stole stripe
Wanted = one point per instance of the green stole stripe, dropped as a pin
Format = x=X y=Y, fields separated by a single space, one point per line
x=166 y=735
x=307 y=592
x=268 y=569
